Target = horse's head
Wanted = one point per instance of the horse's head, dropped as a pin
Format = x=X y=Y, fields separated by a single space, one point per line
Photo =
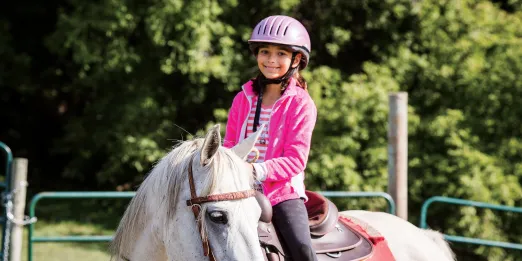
x=224 y=203
x=168 y=219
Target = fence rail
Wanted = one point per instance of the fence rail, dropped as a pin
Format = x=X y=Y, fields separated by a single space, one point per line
x=114 y=195
x=6 y=186
x=69 y=195
x=362 y=194
x=469 y=240
x=332 y=194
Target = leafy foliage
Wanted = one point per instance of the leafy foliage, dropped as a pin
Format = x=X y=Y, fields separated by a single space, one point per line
x=97 y=92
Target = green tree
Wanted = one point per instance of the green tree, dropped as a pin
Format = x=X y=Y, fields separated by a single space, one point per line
x=459 y=62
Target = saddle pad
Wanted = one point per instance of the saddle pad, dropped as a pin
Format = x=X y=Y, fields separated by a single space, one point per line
x=381 y=251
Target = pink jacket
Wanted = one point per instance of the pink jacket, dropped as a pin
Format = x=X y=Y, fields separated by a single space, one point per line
x=291 y=125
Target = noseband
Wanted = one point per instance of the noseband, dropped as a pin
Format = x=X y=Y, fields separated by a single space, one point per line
x=195 y=202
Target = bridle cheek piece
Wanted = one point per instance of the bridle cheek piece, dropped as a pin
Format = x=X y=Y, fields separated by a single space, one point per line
x=195 y=202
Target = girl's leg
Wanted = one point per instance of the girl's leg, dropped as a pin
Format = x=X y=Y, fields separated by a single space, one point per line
x=291 y=220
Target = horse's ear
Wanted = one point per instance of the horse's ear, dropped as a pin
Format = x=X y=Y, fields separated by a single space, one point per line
x=243 y=148
x=210 y=145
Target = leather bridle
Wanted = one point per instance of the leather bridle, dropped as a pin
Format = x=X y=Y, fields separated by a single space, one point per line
x=195 y=202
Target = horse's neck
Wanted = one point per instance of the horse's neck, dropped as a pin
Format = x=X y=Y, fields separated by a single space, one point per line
x=148 y=246
x=158 y=240
x=186 y=244
x=155 y=244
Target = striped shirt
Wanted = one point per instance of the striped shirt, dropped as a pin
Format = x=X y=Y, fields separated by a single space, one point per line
x=264 y=118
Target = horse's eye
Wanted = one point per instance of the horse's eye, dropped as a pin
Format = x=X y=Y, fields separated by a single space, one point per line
x=218 y=217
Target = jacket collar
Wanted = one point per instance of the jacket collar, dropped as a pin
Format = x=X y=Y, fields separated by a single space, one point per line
x=291 y=89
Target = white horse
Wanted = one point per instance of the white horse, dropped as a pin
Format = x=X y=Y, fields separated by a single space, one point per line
x=160 y=222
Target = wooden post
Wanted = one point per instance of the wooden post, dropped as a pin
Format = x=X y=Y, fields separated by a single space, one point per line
x=19 y=184
x=398 y=152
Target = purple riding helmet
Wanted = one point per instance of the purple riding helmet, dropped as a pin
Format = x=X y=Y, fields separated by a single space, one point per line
x=285 y=30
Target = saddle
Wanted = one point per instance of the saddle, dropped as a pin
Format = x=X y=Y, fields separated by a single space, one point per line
x=331 y=239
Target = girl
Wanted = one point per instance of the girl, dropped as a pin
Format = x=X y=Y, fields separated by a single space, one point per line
x=278 y=98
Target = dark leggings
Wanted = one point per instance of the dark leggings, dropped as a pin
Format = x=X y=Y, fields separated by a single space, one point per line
x=291 y=220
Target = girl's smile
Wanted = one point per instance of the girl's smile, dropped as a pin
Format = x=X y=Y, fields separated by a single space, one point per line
x=272 y=69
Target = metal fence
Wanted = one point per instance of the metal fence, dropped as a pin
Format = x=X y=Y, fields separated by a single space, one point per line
x=5 y=186
x=469 y=240
x=113 y=195
x=333 y=194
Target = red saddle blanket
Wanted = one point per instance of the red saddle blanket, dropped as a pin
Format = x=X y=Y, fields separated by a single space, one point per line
x=380 y=245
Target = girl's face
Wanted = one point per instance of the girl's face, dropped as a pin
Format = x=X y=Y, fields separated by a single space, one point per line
x=274 y=61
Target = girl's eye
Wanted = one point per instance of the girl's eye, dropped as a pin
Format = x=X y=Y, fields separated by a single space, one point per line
x=282 y=54
x=263 y=51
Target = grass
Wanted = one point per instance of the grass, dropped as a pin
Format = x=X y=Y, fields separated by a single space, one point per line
x=78 y=251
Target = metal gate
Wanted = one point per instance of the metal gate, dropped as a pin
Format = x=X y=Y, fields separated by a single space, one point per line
x=469 y=240
x=112 y=194
x=5 y=186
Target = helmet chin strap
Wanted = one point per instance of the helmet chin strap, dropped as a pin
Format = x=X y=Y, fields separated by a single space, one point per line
x=264 y=81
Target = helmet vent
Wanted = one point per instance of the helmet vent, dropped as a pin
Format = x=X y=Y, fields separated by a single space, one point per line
x=279 y=27
x=284 y=33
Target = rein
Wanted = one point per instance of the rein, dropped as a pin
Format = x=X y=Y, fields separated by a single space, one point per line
x=195 y=202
